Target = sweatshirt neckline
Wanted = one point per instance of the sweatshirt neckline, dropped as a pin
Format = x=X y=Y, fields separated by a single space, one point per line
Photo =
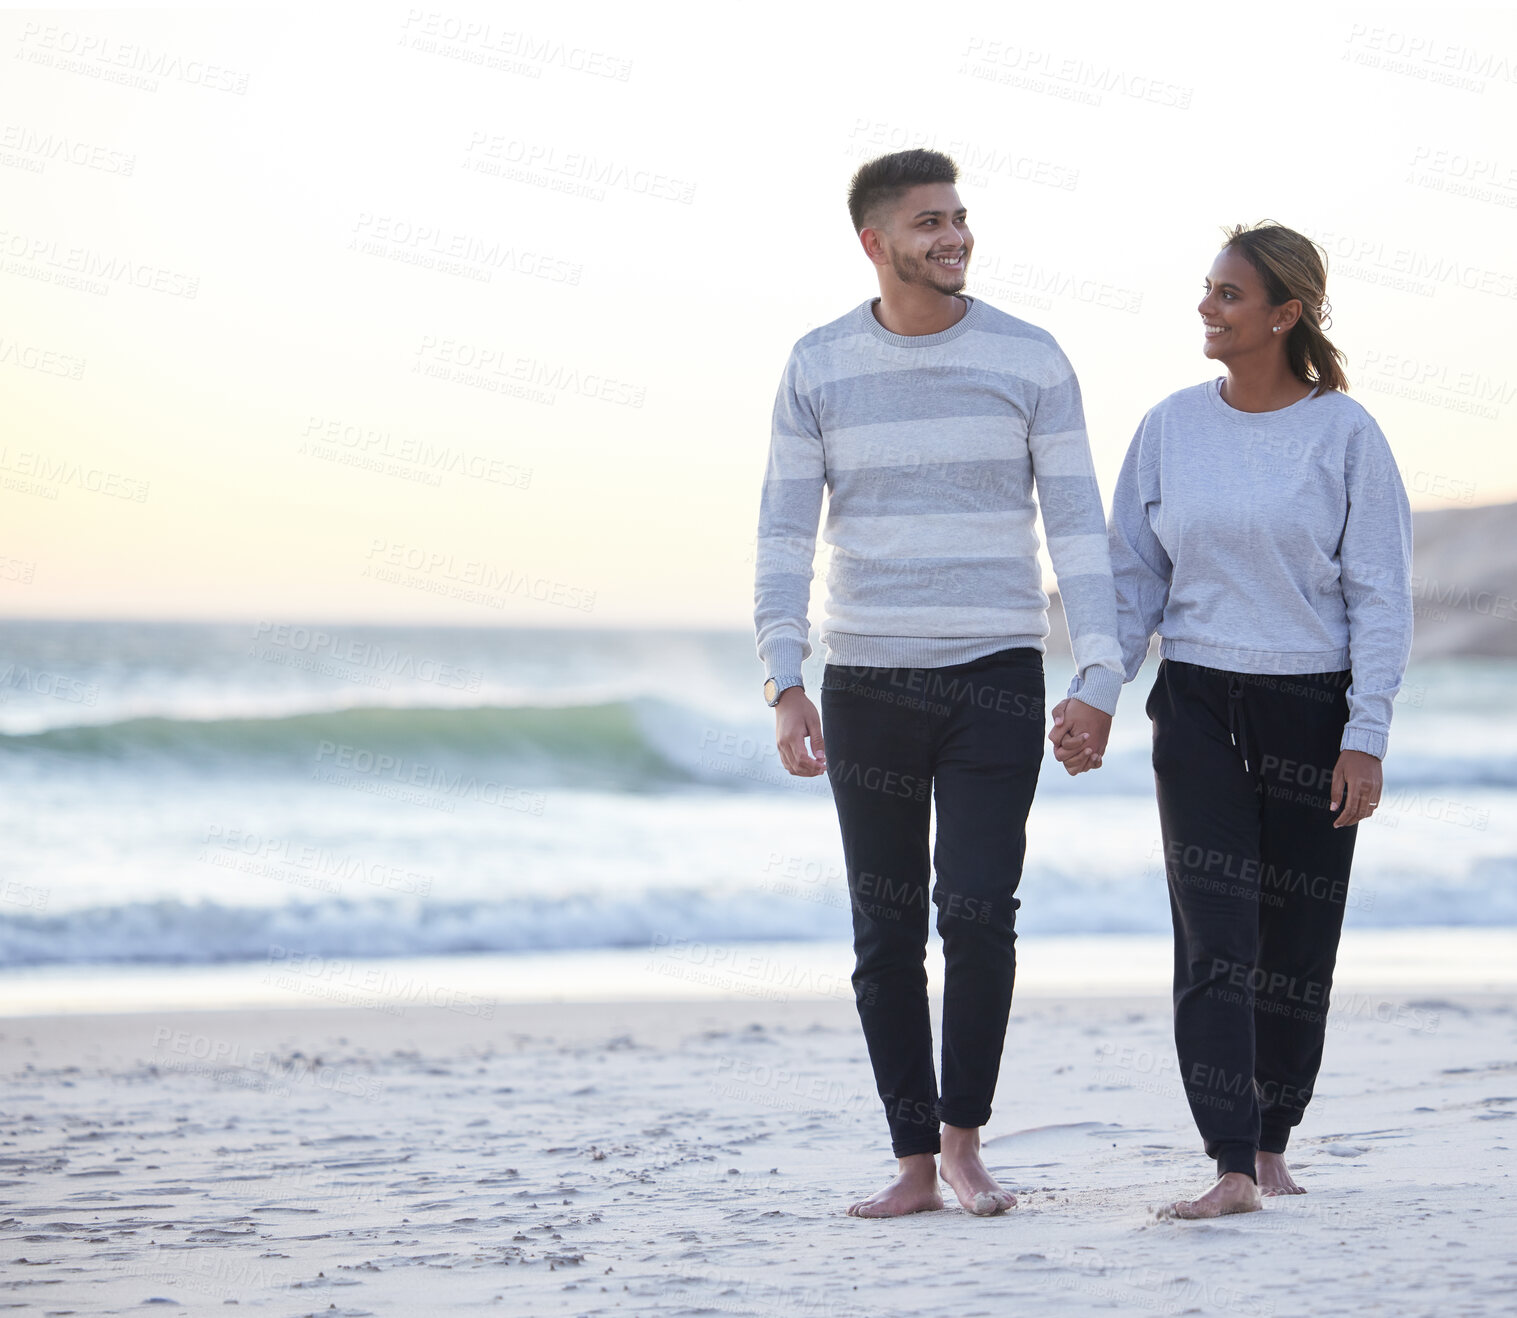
x=966 y=322
x=1289 y=412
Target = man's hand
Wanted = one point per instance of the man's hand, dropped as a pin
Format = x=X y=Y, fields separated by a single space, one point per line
x=1079 y=736
x=796 y=719
x=1356 y=786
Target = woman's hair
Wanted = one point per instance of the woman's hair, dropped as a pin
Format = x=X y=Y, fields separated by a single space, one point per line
x=1293 y=266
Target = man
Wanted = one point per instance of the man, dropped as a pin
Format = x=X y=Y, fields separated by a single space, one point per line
x=930 y=418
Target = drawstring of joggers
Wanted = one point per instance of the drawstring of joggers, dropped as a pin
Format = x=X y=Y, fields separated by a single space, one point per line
x=1236 y=724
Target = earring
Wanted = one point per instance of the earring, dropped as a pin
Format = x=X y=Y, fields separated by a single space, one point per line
x=1277 y=329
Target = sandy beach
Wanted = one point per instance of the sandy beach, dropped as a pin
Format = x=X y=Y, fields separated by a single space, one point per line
x=421 y=452
x=694 y=1157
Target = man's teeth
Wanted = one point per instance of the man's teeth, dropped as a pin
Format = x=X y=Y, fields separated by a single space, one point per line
x=949 y=260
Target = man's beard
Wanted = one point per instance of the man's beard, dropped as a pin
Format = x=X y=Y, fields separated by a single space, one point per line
x=921 y=272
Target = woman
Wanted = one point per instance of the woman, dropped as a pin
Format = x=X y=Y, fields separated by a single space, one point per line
x=1260 y=526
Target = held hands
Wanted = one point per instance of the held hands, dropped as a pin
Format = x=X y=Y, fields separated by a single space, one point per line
x=796 y=719
x=1356 y=787
x=1079 y=736
x=1079 y=740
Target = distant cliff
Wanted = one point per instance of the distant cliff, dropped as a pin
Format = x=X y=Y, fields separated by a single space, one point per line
x=1464 y=584
x=1464 y=581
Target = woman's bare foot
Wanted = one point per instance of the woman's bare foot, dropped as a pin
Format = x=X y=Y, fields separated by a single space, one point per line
x=1233 y=1193
x=914 y=1190
x=966 y=1174
x=1274 y=1176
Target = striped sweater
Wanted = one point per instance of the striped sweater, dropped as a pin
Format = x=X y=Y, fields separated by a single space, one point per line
x=931 y=447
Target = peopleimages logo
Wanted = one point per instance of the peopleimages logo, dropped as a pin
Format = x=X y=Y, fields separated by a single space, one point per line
x=316 y=643
x=53 y=473
x=40 y=682
x=488 y=582
x=1065 y=76
x=476 y=42
x=546 y=163
x=436 y=247
x=1428 y=57
x=101 y=56
x=978 y=162
x=1455 y=595
x=1374 y=261
x=1027 y=281
x=459 y=783
x=501 y=370
x=44 y=148
x=45 y=361
x=41 y=257
x=873 y=778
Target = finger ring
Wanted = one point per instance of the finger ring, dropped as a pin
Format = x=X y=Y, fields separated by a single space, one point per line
x=1374 y=803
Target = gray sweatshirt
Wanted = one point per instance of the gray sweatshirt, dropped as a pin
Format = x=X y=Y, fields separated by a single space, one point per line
x=1267 y=542
x=931 y=447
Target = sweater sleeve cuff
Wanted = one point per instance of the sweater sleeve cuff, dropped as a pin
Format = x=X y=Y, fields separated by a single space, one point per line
x=1098 y=688
x=782 y=658
x=1364 y=739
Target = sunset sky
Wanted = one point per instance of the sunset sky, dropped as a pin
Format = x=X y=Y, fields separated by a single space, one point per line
x=412 y=315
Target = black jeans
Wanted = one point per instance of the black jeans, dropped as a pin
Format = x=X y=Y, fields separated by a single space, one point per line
x=1258 y=882
x=970 y=736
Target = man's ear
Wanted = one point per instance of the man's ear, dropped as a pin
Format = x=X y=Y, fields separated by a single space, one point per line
x=873 y=245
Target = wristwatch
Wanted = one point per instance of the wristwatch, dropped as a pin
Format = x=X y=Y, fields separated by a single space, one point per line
x=775 y=687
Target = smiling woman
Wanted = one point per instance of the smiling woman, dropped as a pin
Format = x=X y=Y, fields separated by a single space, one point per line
x=1270 y=281
x=1261 y=528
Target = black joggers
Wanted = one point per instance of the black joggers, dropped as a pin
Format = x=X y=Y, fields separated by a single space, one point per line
x=970 y=737
x=1258 y=879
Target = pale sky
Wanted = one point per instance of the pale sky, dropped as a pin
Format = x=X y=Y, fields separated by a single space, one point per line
x=657 y=195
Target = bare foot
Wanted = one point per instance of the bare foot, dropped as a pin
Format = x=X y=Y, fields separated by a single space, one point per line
x=1274 y=1176
x=966 y=1174
x=1234 y=1193
x=914 y=1190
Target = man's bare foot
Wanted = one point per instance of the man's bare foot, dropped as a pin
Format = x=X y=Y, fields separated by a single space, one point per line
x=914 y=1190
x=1233 y=1193
x=1274 y=1176
x=966 y=1174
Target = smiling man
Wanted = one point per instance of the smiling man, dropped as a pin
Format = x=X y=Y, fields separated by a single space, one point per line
x=931 y=419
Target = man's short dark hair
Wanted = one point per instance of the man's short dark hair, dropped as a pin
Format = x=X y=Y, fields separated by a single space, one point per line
x=878 y=184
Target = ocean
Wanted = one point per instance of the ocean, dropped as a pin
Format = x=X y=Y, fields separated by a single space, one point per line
x=182 y=796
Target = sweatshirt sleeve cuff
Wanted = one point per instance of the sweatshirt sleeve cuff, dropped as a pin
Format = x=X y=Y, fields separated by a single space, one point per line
x=1366 y=740
x=1098 y=688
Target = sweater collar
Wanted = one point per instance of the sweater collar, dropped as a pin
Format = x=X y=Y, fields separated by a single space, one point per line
x=966 y=322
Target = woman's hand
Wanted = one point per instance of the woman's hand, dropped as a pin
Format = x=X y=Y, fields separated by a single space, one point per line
x=1079 y=735
x=1356 y=786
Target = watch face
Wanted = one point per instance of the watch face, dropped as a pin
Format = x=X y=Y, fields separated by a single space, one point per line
x=771 y=691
